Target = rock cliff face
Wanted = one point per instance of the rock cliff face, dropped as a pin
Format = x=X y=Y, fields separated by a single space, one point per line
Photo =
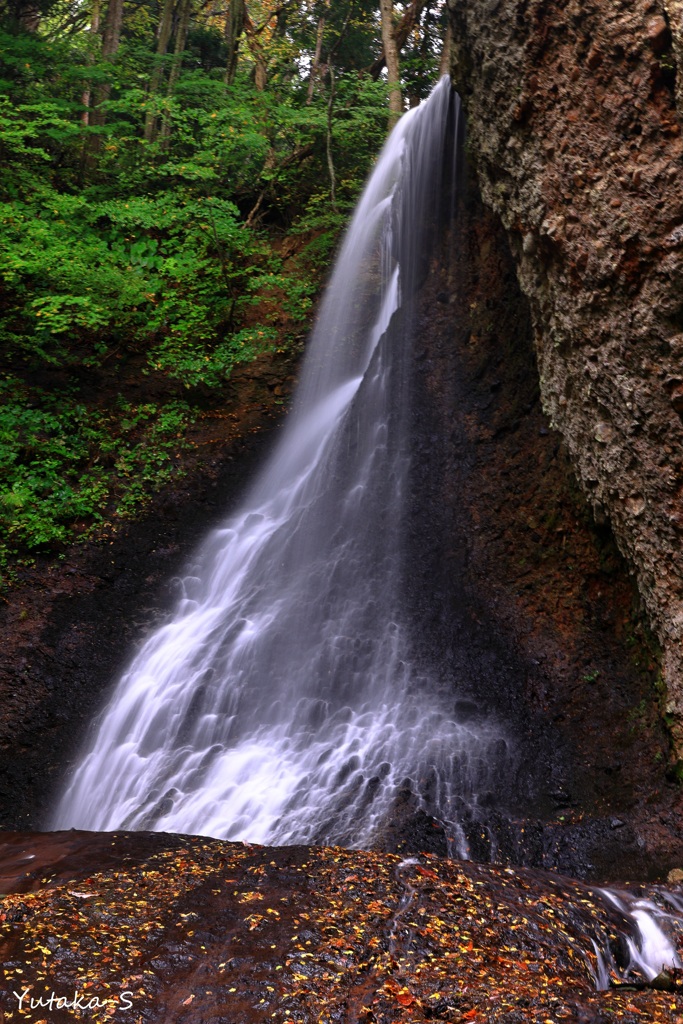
x=574 y=129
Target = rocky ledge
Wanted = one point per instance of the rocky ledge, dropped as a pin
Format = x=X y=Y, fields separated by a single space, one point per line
x=148 y=927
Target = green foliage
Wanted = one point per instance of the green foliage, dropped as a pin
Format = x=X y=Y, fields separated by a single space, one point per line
x=155 y=273
x=188 y=360
x=65 y=468
x=184 y=250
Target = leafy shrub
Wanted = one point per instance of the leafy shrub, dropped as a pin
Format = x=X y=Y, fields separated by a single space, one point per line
x=64 y=469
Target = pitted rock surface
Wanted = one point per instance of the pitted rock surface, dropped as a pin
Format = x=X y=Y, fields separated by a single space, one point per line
x=576 y=138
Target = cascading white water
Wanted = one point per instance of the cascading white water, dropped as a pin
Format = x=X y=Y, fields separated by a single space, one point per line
x=649 y=939
x=280 y=704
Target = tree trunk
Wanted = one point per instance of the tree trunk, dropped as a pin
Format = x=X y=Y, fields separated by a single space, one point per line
x=330 y=161
x=401 y=33
x=94 y=31
x=28 y=16
x=234 y=27
x=260 y=72
x=180 y=40
x=111 y=37
x=391 y=59
x=315 y=65
x=445 y=62
x=164 y=35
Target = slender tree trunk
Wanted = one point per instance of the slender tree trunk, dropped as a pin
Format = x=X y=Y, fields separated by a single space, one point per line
x=391 y=58
x=28 y=15
x=180 y=40
x=94 y=31
x=111 y=37
x=445 y=62
x=280 y=30
x=260 y=72
x=164 y=35
x=401 y=33
x=315 y=65
x=234 y=27
x=330 y=162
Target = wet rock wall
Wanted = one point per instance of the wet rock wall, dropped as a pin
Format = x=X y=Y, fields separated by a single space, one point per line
x=575 y=135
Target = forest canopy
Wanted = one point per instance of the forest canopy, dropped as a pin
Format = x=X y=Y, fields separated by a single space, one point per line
x=174 y=176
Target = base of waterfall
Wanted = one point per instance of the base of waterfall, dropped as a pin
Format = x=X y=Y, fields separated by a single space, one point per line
x=159 y=927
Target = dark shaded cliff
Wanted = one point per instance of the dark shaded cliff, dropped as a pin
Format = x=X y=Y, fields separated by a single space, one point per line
x=521 y=602
x=575 y=135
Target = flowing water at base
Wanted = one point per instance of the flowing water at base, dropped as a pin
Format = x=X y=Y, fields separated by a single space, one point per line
x=647 y=937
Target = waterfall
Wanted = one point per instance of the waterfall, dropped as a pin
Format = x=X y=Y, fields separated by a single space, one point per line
x=282 y=703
